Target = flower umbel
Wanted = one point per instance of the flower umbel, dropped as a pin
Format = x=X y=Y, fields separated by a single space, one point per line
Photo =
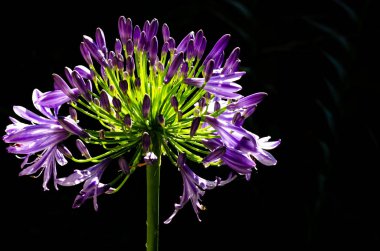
x=150 y=98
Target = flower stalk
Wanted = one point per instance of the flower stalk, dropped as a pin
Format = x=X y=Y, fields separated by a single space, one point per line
x=153 y=200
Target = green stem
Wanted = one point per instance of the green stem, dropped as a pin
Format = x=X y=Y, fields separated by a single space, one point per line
x=153 y=196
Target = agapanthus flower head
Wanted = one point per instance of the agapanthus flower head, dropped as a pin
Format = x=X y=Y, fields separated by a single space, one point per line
x=148 y=97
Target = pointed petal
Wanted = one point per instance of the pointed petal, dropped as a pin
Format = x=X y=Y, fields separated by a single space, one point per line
x=264 y=157
x=54 y=99
x=71 y=126
x=265 y=144
x=238 y=161
x=30 y=116
x=45 y=111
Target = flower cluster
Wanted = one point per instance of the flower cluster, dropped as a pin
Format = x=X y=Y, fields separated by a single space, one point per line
x=148 y=101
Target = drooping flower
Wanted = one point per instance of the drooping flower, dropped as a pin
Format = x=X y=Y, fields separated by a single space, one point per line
x=148 y=97
x=194 y=188
x=41 y=137
x=92 y=187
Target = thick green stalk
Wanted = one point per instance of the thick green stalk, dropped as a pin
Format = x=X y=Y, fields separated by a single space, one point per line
x=153 y=199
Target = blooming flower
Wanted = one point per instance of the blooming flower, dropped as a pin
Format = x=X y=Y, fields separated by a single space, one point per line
x=42 y=136
x=147 y=101
x=194 y=187
x=91 y=187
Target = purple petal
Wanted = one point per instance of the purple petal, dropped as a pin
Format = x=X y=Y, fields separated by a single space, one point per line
x=215 y=155
x=228 y=138
x=84 y=71
x=31 y=116
x=182 y=46
x=248 y=101
x=218 y=48
x=238 y=161
x=231 y=77
x=264 y=157
x=42 y=109
x=212 y=144
x=95 y=51
x=54 y=99
x=62 y=85
x=72 y=127
x=92 y=189
x=32 y=132
x=60 y=158
x=38 y=164
x=81 y=175
x=173 y=68
x=231 y=60
x=79 y=83
x=265 y=144
x=39 y=144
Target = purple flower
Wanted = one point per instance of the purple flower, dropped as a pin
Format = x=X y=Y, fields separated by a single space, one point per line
x=247 y=102
x=220 y=85
x=194 y=188
x=40 y=137
x=218 y=48
x=241 y=146
x=92 y=186
x=145 y=93
x=237 y=160
x=63 y=93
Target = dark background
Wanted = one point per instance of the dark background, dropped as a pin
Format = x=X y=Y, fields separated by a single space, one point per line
x=317 y=60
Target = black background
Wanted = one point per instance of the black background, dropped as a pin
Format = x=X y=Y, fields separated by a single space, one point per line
x=317 y=60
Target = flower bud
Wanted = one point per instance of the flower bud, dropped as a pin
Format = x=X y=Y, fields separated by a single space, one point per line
x=127 y=120
x=123 y=84
x=145 y=142
x=146 y=106
x=165 y=32
x=82 y=149
x=194 y=126
x=116 y=104
x=104 y=101
x=65 y=151
x=73 y=114
x=174 y=102
x=123 y=165
x=161 y=120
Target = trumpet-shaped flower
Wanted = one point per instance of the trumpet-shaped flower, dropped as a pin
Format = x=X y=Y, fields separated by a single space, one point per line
x=41 y=137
